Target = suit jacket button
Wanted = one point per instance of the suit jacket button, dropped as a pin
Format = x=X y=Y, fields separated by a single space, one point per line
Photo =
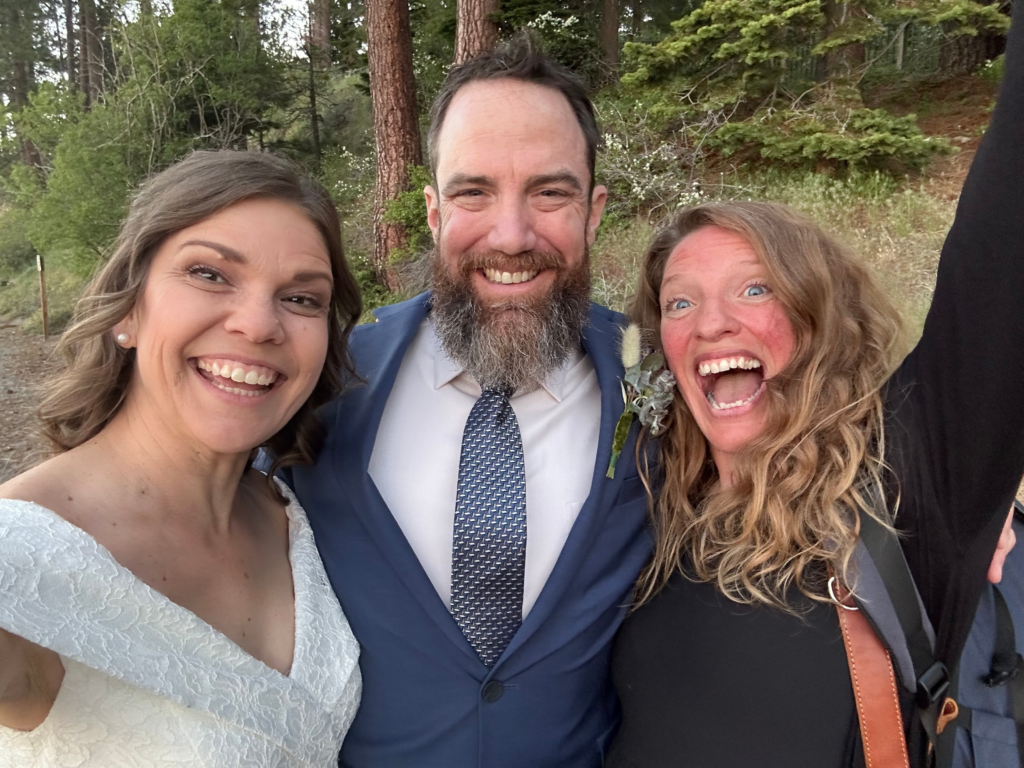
x=492 y=691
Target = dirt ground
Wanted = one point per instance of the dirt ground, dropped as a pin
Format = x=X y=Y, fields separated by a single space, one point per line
x=23 y=365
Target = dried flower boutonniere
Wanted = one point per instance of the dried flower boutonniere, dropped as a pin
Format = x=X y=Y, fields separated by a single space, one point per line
x=647 y=390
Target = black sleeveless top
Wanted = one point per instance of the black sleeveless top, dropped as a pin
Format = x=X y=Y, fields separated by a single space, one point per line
x=707 y=683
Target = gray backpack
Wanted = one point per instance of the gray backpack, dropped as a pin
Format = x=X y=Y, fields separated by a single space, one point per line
x=888 y=597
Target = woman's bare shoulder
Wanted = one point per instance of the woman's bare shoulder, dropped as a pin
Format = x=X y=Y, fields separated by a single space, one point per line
x=52 y=484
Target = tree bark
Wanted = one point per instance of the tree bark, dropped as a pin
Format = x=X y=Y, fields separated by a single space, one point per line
x=22 y=79
x=90 y=48
x=842 y=62
x=475 y=30
x=320 y=31
x=69 y=28
x=965 y=54
x=395 y=121
x=610 y=36
x=314 y=118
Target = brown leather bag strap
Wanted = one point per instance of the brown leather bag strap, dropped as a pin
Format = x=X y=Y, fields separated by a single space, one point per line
x=874 y=688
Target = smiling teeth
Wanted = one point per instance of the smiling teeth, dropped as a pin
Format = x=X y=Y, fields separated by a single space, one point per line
x=727 y=364
x=249 y=374
x=726 y=406
x=237 y=391
x=508 y=278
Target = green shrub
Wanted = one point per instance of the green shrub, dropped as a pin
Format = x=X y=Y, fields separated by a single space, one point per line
x=993 y=70
x=847 y=138
x=409 y=210
x=16 y=251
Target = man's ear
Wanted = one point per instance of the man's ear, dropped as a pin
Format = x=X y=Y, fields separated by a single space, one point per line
x=433 y=211
x=598 y=198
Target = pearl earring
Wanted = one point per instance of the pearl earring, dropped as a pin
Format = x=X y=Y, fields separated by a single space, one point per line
x=122 y=338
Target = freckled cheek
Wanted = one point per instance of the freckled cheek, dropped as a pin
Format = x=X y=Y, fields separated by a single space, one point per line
x=675 y=339
x=778 y=337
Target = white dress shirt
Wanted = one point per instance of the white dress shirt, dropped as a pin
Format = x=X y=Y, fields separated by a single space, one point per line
x=415 y=460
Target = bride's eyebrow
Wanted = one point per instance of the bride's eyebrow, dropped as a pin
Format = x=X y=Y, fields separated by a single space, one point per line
x=230 y=254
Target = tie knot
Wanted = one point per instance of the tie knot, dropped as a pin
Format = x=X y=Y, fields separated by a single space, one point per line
x=504 y=390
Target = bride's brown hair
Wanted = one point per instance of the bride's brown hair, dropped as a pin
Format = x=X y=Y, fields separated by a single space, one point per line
x=84 y=396
x=788 y=517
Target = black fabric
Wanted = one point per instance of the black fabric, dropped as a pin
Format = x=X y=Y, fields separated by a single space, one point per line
x=706 y=684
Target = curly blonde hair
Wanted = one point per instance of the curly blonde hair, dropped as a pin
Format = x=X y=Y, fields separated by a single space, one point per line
x=789 y=517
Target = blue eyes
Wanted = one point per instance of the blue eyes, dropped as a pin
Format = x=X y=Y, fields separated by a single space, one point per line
x=753 y=291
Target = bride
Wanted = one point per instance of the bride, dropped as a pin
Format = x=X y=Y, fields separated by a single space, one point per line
x=161 y=602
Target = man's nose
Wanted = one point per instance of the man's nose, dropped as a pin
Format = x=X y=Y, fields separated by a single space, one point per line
x=715 y=319
x=257 y=318
x=512 y=229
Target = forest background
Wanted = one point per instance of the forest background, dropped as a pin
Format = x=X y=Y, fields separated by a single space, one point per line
x=863 y=114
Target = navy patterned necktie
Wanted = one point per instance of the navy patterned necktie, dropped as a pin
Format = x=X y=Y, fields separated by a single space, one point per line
x=489 y=544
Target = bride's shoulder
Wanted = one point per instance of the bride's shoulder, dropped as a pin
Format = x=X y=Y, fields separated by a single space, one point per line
x=47 y=485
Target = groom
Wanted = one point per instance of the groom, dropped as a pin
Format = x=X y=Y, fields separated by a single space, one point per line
x=460 y=504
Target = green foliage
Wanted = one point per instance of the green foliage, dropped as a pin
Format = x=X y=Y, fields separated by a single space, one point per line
x=433 y=45
x=85 y=197
x=993 y=70
x=16 y=251
x=204 y=76
x=409 y=210
x=757 y=67
x=859 y=137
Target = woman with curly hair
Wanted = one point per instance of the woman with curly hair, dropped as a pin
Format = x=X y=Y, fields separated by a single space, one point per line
x=791 y=417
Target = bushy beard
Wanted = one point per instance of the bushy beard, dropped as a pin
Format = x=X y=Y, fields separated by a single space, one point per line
x=519 y=341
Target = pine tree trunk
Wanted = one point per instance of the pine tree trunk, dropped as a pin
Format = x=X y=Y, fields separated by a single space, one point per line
x=965 y=54
x=395 y=120
x=21 y=80
x=475 y=30
x=841 y=63
x=69 y=27
x=320 y=31
x=84 y=7
x=90 y=63
x=610 y=36
x=314 y=118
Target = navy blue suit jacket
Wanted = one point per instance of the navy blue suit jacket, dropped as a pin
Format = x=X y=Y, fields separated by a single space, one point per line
x=427 y=698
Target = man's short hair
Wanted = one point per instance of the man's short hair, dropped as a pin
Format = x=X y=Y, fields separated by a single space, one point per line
x=520 y=58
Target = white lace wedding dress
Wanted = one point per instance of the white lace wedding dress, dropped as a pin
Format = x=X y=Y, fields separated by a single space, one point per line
x=148 y=683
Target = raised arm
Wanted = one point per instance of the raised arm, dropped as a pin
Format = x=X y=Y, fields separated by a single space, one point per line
x=30 y=678
x=957 y=404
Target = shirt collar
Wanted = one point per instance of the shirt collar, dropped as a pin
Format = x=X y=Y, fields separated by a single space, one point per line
x=446 y=370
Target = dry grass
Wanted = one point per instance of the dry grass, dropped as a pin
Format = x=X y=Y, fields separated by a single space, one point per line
x=897 y=228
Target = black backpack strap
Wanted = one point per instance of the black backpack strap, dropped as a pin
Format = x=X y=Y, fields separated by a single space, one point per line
x=933 y=679
x=1006 y=666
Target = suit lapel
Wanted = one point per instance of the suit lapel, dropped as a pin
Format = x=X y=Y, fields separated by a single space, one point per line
x=601 y=343
x=389 y=339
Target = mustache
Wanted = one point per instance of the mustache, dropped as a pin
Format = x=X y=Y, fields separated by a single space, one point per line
x=521 y=262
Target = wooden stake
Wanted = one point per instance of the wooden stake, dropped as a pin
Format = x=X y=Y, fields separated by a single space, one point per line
x=42 y=296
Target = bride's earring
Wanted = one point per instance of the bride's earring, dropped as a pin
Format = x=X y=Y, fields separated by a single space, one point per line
x=122 y=338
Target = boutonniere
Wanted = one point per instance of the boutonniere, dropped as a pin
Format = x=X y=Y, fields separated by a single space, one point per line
x=647 y=391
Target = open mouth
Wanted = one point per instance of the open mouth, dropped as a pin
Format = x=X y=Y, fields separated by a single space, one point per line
x=731 y=382
x=510 y=278
x=237 y=378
